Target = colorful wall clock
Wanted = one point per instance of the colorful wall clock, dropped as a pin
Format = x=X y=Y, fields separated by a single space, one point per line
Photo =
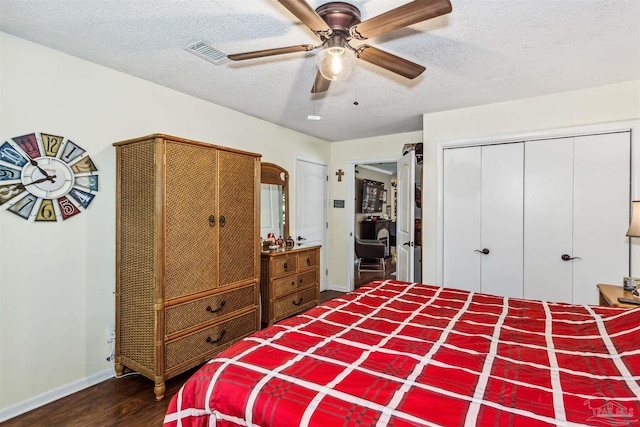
x=46 y=178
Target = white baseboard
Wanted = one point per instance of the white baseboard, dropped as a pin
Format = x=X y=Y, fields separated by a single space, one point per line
x=55 y=394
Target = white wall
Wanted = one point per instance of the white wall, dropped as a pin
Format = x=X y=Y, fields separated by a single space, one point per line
x=546 y=114
x=57 y=280
x=345 y=155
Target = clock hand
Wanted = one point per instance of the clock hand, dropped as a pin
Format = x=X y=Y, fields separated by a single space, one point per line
x=38 y=181
x=42 y=171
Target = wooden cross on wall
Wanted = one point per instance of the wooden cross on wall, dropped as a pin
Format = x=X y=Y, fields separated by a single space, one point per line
x=340 y=174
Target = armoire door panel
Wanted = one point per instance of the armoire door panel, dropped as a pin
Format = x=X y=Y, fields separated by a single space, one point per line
x=190 y=192
x=548 y=207
x=237 y=208
x=462 y=219
x=600 y=212
x=502 y=228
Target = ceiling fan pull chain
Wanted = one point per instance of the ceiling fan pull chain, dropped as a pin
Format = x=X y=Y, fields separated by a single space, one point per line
x=355 y=81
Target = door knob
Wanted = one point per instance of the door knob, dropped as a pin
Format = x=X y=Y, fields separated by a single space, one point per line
x=300 y=238
x=484 y=251
x=567 y=257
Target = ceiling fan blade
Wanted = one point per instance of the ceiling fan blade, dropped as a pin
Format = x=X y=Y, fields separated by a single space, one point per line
x=271 y=52
x=388 y=61
x=320 y=84
x=305 y=13
x=403 y=16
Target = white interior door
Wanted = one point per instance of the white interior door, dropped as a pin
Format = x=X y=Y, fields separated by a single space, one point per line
x=311 y=211
x=405 y=233
x=548 y=228
x=462 y=218
x=600 y=213
x=502 y=229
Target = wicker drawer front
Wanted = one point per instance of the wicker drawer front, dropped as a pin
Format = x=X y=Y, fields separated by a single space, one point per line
x=284 y=265
x=294 y=282
x=208 y=340
x=295 y=303
x=184 y=316
x=307 y=259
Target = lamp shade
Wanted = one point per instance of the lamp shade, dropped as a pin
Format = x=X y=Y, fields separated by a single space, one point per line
x=335 y=63
x=634 y=227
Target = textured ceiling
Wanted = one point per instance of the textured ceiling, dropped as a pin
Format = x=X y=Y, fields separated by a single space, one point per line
x=485 y=51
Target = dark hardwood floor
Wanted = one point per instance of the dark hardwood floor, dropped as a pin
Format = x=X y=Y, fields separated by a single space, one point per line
x=126 y=401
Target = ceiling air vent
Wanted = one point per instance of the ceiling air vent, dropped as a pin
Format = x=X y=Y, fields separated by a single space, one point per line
x=207 y=52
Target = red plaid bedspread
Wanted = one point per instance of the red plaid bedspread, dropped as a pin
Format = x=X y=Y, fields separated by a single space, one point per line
x=401 y=354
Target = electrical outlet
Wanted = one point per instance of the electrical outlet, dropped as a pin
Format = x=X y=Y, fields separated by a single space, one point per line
x=111 y=335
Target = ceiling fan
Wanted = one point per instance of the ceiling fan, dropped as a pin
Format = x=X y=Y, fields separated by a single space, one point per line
x=337 y=23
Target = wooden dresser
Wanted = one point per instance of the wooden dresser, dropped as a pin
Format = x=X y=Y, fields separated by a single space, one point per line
x=609 y=296
x=186 y=254
x=289 y=282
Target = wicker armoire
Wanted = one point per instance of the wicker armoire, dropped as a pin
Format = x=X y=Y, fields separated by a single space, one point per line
x=187 y=255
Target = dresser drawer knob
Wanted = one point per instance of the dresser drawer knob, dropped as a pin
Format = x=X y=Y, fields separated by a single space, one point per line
x=297 y=303
x=300 y=280
x=308 y=261
x=215 y=310
x=222 y=334
x=286 y=267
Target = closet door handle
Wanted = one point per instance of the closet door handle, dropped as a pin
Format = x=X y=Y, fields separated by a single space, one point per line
x=222 y=220
x=567 y=257
x=484 y=251
x=212 y=220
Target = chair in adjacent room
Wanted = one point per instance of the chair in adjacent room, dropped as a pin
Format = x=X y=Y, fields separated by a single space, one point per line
x=370 y=254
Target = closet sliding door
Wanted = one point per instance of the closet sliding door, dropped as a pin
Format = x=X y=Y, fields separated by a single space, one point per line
x=483 y=202
x=462 y=215
x=548 y=230
x=601 y=195
x=502 y=206
x=576 y=216
x=542 y=219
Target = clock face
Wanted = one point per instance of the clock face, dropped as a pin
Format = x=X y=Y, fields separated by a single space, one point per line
x=46 y=178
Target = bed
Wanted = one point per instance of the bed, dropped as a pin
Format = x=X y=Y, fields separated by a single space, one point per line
x=405 y=354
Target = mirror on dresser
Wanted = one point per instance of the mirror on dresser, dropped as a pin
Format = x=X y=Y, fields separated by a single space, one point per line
x=274 y=199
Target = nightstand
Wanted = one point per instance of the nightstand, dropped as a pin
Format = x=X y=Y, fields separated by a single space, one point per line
x=609 y=296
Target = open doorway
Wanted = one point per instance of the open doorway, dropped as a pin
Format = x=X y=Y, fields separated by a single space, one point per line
x=374 y=216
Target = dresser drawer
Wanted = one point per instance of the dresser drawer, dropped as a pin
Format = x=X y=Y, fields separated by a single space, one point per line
x=209 y=340
x=284 y=265
x=189 y=314
x=294 y=282
x=295 y=303
x=307 y=259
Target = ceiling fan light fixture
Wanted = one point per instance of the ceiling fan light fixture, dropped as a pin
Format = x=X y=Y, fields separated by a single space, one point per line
x=336 y=63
